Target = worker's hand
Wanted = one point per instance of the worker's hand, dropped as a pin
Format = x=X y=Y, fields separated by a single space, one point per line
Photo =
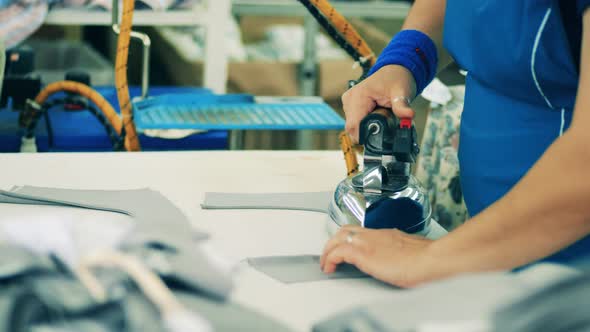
x=388 y=255
x=389 y=87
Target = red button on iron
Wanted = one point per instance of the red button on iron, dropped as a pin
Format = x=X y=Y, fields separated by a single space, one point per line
x=405 y=123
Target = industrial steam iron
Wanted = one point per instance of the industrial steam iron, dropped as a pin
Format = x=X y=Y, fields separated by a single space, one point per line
x=384 y=194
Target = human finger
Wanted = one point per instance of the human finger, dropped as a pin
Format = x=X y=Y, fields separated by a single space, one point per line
x=345 y=253
x=347 y=235
x=356 y=106
x=401 y=107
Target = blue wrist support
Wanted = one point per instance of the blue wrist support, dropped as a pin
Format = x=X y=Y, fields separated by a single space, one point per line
x=413 y=50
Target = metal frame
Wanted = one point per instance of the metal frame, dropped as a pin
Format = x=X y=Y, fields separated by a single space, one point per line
x=66 y=16
x=308 y=75
x=216 y=58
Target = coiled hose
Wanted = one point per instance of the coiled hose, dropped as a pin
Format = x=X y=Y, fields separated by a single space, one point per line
x=103 y=111
x=87 y=92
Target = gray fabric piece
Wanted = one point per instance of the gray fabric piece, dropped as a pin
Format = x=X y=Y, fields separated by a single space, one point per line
x=163 y=236
x=9 y=199
x=305 y=268
x=311 y=201
x=158 y=219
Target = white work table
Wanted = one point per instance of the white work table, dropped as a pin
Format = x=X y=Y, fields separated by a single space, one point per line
x=184 y=177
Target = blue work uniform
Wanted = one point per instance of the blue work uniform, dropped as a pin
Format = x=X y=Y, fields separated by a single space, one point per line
x=520 y=93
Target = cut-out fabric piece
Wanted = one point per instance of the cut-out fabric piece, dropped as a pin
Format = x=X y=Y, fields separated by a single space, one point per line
x=8 y=198
x=310 y=201
x=163 y=237
x=474 y=299
x=305 y=268
x=159 y=219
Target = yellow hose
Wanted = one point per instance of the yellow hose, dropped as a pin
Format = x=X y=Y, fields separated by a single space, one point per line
x=346 y=29
x=85 y=91
x=121 y=82
x=352 y=166
x=354 y=39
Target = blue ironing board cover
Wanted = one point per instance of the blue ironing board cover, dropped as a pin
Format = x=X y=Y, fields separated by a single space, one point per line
x=232 y=112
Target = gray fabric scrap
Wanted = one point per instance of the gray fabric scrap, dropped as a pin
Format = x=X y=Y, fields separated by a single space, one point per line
x=158 y=218
x=309 y=201
x=305 y=268
x=162 y=230
x=7 y=198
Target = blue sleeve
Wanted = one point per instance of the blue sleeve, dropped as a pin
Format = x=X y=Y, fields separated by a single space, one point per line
x=582 y=6
x=413 y=50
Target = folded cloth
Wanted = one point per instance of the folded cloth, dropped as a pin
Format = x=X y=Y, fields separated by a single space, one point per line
x=162 y=238
x=20 y=19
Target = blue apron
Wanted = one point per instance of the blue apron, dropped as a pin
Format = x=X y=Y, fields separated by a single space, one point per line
x=520 y=93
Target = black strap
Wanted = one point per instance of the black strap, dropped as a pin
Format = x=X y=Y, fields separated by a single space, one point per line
x=572 y=23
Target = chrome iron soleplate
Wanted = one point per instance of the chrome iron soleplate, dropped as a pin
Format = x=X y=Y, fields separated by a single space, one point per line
x=335 y=216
